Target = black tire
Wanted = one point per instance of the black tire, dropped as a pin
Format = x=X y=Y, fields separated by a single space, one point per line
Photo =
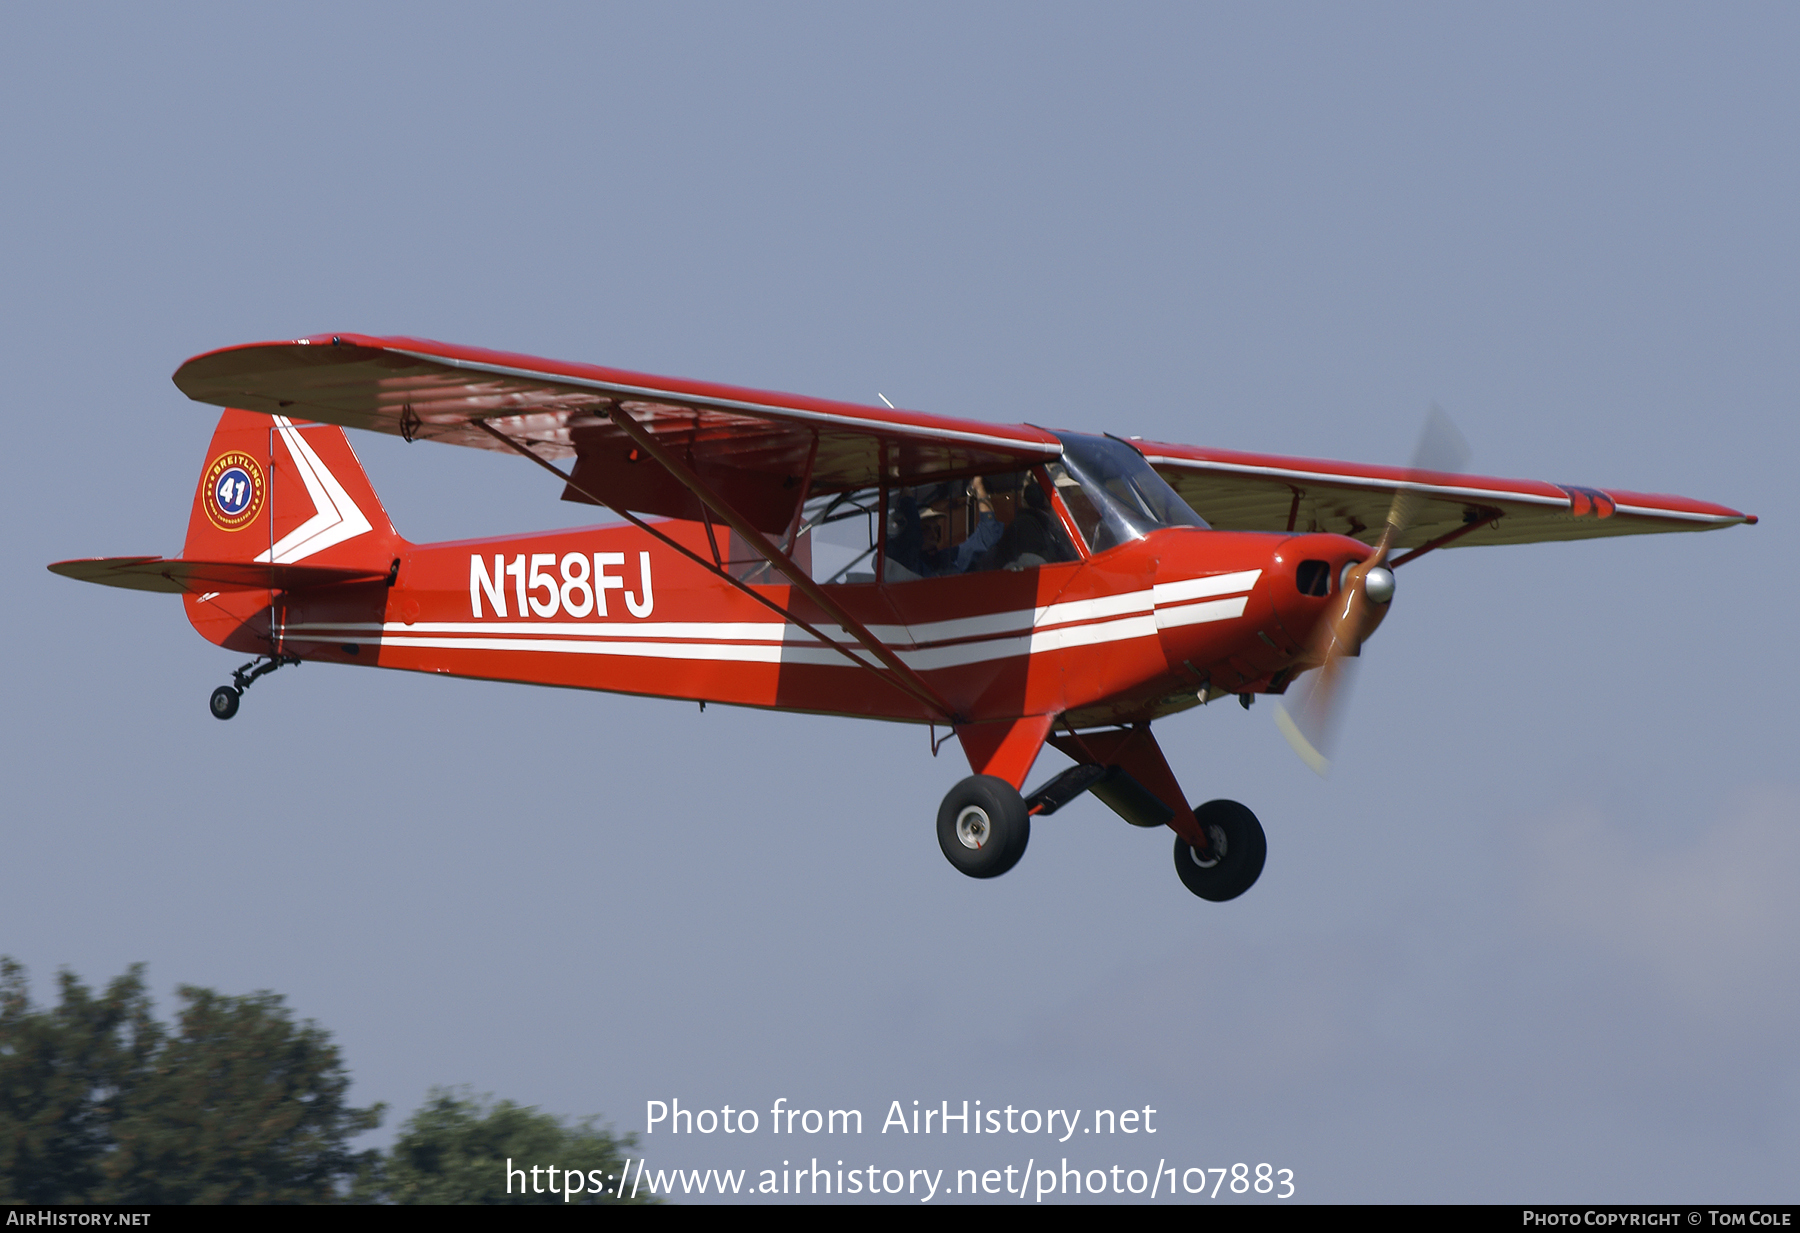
x=225 y=702
x=983 y=827
x=1238 y=861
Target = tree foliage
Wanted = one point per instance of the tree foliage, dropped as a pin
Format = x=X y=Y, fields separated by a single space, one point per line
x=237 y=1103
x=63 y=1074
x=456 y=1149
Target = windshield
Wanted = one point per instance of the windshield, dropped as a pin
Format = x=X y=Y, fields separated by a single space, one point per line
x=1113 y=494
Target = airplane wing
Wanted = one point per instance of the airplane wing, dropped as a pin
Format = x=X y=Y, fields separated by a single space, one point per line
x=1262 y=492
x=754 y=448
x=176 y=576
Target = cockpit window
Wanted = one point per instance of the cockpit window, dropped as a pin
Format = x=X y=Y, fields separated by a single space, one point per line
x=969 y=526
x=1113 y=494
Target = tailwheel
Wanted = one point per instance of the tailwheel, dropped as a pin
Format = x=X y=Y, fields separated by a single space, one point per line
x=225 y=702
x=1234 y=855
x=225 y=698
x=983 y=826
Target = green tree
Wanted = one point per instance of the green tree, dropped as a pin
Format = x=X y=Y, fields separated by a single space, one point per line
x=242 y=1105
x=62 y=1076
x=456 y=1149
x=239 y=1104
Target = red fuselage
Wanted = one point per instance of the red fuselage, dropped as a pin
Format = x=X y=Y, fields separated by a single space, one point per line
x=1130 y=634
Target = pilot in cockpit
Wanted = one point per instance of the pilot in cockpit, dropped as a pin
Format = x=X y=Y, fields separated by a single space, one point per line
x=919 y=533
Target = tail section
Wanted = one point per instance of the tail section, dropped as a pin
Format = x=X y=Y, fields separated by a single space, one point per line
x=276 y=492
x=281 y=508
x=285 y=532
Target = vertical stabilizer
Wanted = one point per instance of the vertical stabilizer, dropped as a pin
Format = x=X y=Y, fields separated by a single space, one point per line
x=273 y=490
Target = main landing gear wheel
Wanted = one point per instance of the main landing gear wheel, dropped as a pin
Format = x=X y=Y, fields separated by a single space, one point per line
x=225 y=702
x=983 y=827
x=1234 y=858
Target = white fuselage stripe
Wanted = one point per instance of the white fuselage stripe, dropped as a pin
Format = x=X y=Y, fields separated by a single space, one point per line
x=1117 y=618
x=1203 y=588
x=1199 y=614
x=1163 y=606
x=925 y=659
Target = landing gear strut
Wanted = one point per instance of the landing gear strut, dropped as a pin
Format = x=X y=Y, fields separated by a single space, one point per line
x=225 y=698
x=983 y=827
x=1233 y=858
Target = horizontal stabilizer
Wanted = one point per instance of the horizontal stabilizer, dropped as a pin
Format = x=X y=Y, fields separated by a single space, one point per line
x=176 y=577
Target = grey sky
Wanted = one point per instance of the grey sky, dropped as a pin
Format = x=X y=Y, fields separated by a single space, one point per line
x=1535 y=940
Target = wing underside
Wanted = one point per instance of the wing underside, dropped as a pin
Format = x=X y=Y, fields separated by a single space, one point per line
x=756 y=449
x=1256 y=492
x=763 y=453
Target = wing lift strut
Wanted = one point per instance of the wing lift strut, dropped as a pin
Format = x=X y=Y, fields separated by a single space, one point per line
x=1474 y=520
x=899 y=675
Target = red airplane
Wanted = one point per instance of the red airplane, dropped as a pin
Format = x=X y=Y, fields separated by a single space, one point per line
x=1017 y=586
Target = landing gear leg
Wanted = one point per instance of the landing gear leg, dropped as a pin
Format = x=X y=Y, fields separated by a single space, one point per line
x=225 y=698
x=1234 y=855
x=982 y=826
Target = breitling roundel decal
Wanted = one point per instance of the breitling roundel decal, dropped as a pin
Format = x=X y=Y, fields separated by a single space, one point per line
x=233 y=491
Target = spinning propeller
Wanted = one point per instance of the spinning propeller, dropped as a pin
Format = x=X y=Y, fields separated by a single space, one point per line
x=1359 y=604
